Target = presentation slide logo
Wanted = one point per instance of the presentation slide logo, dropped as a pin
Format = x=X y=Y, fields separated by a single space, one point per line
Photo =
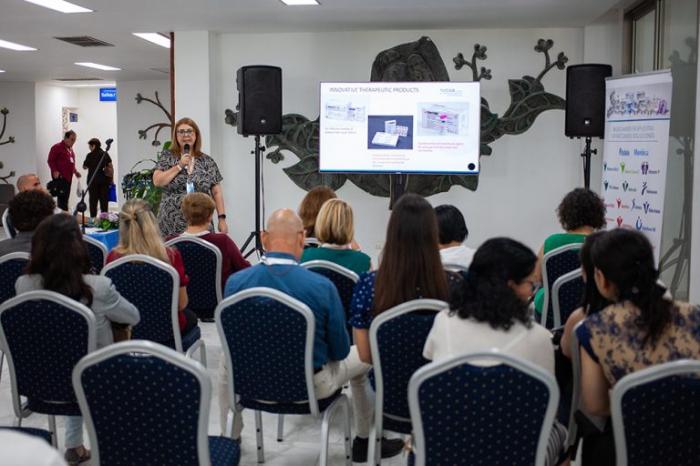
x=645 y=168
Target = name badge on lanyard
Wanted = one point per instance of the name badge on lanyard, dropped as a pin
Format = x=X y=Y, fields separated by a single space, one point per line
x=190 y=187
x=277 y=261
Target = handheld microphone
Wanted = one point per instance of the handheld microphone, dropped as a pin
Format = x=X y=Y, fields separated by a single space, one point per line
x=186 y=151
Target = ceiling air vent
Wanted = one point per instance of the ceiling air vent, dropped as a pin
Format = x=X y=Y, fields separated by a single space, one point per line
x=85 y=41
x=161 y=70
x=77 y=79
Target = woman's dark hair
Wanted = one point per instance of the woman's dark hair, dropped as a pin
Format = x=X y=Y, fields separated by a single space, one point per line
x=60 y=256
x=27 y=209
x=592 y=301
x=410 y=266
x=451 y=225
x=486 y=295
x=581 y=208
x=626 y=258
x=95 y=142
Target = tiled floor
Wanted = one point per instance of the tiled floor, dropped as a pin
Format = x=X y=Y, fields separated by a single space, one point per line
x=301 y=446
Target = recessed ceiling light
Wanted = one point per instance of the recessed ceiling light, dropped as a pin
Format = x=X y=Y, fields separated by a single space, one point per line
x=155 y=38
x=300 y=2
x=60 y=5
x=97 y=66
x=2 y=71
x=12 y=46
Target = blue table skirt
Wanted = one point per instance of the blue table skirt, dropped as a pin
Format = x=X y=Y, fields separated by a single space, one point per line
x=108 y=238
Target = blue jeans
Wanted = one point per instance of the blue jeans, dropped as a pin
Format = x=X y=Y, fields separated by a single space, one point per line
x=74 y=431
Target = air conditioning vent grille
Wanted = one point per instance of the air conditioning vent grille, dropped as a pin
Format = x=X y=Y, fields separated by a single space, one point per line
x=85 y=41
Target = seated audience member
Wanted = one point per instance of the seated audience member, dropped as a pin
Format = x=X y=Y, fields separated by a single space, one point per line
x=335 y=231
x=592 y=300
x=336 y=362
x=491 y=312
x=198 y=210
x=453 y=232
x=642 y=328
x=581 y=212
x=27 y=210
x=60 y=263
x=410 y=268
x=139 y=234
x=20 y=449
x=28 y=182
x=309 y=208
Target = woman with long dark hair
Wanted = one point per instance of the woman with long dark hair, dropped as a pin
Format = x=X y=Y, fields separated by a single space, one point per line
x=491 y=311
x=60 y=262
x=410 y=268
x=642 y=328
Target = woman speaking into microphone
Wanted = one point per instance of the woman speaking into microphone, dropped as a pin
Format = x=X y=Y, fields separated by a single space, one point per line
x=182 y=170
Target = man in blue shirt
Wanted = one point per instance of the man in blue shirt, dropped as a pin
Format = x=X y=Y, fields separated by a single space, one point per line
x=335 y=361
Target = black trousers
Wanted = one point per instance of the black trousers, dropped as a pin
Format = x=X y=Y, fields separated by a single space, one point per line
x=99 y=193
x=62 y=199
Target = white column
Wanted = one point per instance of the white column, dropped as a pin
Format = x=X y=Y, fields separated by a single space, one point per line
x=192 y=81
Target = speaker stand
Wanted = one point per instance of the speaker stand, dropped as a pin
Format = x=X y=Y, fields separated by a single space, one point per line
x=255 y=234
x=587 y=162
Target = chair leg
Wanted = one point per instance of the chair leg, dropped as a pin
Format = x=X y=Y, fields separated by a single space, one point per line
x=203 y=355
x=52 y=429
x=375 y=440
x=259 y=436
x=348 y=433
x=2 y=361
x=343 y=404
x=280 y=428
x=325 y=428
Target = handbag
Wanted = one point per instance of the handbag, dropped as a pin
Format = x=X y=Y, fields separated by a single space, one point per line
x=58 y=187
x=108 y=170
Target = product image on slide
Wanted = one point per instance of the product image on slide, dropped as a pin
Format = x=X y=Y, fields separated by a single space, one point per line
x=346 y=111
x=390 y=132
x=448 y=119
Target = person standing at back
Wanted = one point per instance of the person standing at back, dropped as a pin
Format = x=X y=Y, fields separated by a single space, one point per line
x=100 y=173
x=62 y=164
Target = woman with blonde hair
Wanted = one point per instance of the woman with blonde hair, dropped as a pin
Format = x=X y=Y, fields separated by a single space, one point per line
x=185 y=169
x=335 y=230
x=139 y=234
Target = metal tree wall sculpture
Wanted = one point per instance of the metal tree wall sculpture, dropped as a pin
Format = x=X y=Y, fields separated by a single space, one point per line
x=418 y=61
x=10 y=140
x=143 y=133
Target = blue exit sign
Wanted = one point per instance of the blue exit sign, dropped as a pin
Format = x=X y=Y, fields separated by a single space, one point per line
x=108 y=94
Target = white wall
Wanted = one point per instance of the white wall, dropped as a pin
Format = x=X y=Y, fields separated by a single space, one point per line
x=18 y=98
x=132 y=117
x=520 y=185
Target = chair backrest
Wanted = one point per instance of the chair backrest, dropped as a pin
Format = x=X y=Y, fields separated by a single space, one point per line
x=97 y=252
x=152 y=286
x=397 y=337
x=343 y=278
x=144 y=403
x=268 y=339
x=44 y=335
x=203 y=263
x=11 y=267
x=656 y=415
x=556 y=263
x=311 y=243
x=10 y=231
x=567 y=292
x=464 y=413
x=458 y=268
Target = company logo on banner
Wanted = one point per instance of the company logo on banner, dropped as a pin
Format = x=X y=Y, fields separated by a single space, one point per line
x=638 y=114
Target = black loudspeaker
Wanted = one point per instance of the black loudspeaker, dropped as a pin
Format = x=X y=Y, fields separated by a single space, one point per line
x=259 y=99
x=585 y=100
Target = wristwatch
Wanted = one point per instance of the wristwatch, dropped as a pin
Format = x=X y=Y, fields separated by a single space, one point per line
x=222 y=216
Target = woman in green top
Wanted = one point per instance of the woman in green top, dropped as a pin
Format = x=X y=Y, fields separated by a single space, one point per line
x=580 y=213
x=335 y=231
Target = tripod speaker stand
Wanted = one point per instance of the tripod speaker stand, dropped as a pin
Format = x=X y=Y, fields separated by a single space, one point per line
x=255 y=234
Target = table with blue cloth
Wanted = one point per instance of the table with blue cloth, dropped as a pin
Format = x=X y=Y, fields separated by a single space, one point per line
x=109 y=238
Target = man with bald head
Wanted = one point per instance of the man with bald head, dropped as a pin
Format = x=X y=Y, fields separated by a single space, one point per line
x=29 y=182
x=335 y=362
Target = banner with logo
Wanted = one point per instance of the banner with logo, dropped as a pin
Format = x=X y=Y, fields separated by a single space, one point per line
x=637 y=124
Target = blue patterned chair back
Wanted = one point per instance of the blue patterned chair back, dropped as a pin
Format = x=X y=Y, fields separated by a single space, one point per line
x=397 y=338
x=269 y=337
x=144 y=404
x=11 y=267
x=556 y=263
x=203 y=264
x=97 y=253
x=153 y=287
x=45 y=334
x=656 y=415
x=10 y=231
x=495 y=415
x=567 y=295
x=343 y=278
